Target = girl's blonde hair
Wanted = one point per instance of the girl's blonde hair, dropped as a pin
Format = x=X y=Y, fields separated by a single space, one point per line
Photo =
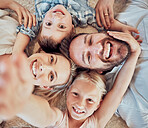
x=95 y=78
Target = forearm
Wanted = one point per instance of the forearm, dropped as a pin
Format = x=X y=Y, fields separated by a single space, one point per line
x=114 y=97
x=5 y=3
x=21 y=42
x=37 y=112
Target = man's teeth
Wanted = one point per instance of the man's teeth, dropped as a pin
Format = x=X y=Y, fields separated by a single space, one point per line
x=107 y=53
x=78 y=111
x=34 y=68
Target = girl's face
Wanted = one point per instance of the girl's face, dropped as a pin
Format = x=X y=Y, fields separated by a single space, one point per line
x=82 y=99
x=49 y=69
x=57 y=23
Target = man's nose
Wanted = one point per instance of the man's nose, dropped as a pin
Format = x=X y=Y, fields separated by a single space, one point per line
x=96 y=49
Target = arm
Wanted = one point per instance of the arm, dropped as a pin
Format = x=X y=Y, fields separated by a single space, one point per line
x=104 y=13
x=118 y=26
x=114 y=97
x=21 y=42
x=20 y=11
x=29 y=19
x=38 y=112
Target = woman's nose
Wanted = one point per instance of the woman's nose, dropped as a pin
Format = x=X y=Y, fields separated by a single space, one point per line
x=45 y=68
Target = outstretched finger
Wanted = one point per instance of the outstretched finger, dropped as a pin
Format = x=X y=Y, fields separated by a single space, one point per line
x=98 y=19
x=30 y=22
x=111 y=15
x=25 y=16
x=107 y=19
x=34 y=20
x=20 y=17
x=103 y=20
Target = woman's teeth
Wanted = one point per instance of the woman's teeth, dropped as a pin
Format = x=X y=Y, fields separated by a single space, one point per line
x=34 y=68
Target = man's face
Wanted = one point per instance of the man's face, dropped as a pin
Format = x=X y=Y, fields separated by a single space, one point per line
x=98 y=51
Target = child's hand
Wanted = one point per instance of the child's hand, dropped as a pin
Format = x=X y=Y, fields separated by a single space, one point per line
x=128 y=38
x=104 y=13
x=15 y=85
x=29 y=19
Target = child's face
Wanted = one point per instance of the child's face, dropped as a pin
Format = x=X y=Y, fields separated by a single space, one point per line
x=57 y=23
x=82 y=99
x=49 y=69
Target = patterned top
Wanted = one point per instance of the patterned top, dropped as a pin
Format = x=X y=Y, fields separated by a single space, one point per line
x=82 y=14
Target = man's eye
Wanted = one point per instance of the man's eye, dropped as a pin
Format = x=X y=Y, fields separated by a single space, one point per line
x=89 y=58
x=51 y=59
x=48 y=23
x=62 y=26
x=75 y=94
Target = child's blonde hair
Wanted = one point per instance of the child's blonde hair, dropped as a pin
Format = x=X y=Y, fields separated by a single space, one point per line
x=95 y=78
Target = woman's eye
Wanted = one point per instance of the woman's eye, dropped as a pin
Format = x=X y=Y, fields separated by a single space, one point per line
x=62 y=26
x=48 y=23
x=51 y=59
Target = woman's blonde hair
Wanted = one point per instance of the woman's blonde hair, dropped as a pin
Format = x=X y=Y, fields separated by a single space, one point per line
x=52 y=95
x=95 y=78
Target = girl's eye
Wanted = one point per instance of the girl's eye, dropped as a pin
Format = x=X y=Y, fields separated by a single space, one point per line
x=51 y=77
x=51 y=59
x=90 y=101
x=62 y=26
x=48 y=23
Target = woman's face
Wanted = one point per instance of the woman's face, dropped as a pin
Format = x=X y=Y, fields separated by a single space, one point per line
x=49 y=69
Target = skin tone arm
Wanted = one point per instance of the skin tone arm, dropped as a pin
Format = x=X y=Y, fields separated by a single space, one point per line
x=16 y=94
x=39 y=113
x=114 y=97
x=104 y=13
x=28 y=20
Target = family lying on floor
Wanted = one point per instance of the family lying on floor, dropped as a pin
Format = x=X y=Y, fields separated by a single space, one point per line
x=99 y=74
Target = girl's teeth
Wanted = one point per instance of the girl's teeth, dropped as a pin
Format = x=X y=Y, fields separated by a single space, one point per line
x=78 y=111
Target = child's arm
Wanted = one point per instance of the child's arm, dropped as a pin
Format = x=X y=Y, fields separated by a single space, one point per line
x=38 y=112
x=23 y=14
x=21 y=42
x=104 y=12
x=114 y=97
x=28 y=19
